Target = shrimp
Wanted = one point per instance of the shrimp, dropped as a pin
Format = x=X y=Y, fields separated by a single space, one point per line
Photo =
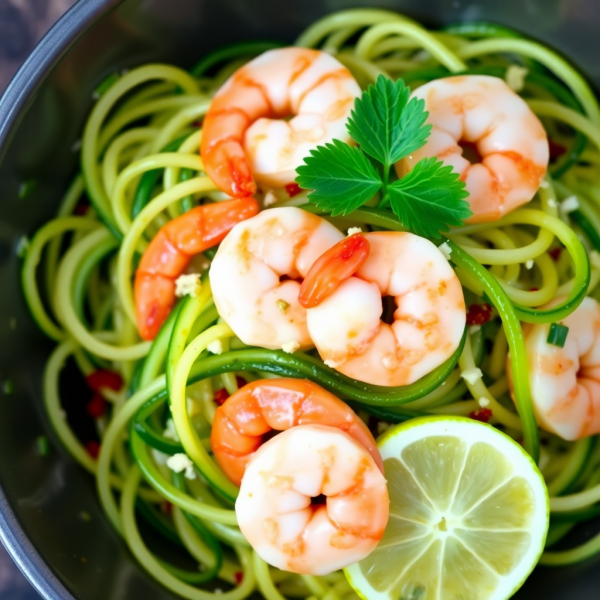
x=254 y=276
x=428 y=322
x=565 y=382
x=484 y=113
x=278 y=404
x=245 y=136
x=170 y=251
x=275 y=509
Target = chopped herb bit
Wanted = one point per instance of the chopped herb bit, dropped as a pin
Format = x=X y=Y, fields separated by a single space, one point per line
x=105 y=85
x=8 y=387
x=43 y=446
x=557 y=335
x=22 y=246
x=282 y=305
x=388 y=125
x=27 y=188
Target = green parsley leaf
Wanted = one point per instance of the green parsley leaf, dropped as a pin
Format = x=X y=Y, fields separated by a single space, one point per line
x=386 y=123
x=429 y=198
x=341 y=176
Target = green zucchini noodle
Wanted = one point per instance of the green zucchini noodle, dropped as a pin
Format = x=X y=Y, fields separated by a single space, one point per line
x=140 y=168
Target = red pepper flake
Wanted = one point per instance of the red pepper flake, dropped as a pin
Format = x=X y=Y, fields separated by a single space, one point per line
x=556 y=149
x=534 y=289
x=555 y=253
x=478 y=314
x=483 y=415
x=104 y=378
x=93 y=448
x=166 y=508
x=220 y=396
x=238 y=576
x=81 y=209
x=293 y=189
x=96 y=407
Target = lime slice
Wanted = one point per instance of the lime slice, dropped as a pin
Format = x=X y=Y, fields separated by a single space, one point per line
x=469 y=515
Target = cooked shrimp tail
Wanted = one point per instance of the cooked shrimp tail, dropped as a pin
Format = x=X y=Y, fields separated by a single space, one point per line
x=335 y=266
x=170 y=251
x=224 y=159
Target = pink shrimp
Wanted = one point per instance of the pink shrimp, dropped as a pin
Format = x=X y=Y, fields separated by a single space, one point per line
x=255 y=410
x=245 y=137
x=171 y=250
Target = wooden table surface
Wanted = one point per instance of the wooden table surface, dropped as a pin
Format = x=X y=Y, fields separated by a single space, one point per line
x=22 y=24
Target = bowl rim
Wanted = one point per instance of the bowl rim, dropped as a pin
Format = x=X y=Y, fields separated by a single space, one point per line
x=14 y=103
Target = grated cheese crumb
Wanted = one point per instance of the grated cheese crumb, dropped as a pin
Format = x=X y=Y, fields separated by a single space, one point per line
x=187 y=285
x=332 y=363
x=595 y=259
x=544 y=184
x=474 y=329
x=215 y=347
x=170 y=432
x=290 y=347
x=354 y=230
x=483 y=402
x=269 y=199
x=180 y=463
x=552 y=203
x=529 y=264
x=515 y=77
x=472 y=375
x=569 y=204
x=445 y=250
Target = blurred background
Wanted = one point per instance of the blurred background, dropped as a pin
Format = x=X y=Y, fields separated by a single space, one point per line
x=22 y=24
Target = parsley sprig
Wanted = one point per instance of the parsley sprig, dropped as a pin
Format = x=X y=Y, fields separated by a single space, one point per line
x=387 y=125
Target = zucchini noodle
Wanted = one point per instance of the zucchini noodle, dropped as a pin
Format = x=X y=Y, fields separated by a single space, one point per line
x=140 y=168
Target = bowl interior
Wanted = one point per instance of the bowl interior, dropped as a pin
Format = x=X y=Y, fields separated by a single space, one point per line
x=51 y=519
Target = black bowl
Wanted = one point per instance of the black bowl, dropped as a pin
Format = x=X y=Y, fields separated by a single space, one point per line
x=41 y=115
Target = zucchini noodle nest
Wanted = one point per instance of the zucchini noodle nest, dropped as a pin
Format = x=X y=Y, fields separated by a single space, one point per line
x=140 y=168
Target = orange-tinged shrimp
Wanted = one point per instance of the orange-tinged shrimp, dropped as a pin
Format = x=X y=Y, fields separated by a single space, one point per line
x=278 y=508
x=333 y=267
x=484 y=113
x=170 y=251
x=565 y=382
x=255 y=410
x=428 y=322
x=246 y=136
